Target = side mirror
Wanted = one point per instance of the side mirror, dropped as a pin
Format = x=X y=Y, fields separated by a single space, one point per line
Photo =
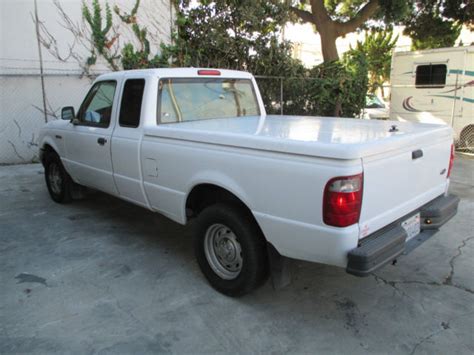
x=67 y=113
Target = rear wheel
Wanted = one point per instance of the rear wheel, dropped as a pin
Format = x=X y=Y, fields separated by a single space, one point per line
x=230 y=249
x=58 y=181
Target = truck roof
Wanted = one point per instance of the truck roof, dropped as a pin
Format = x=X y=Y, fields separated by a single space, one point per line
x=177 y=73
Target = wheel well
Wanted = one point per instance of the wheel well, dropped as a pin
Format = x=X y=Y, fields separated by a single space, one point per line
x=205 y=195
x=46 y=150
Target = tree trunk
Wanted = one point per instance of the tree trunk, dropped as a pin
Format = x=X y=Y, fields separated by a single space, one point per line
x=328 y=44
x=330 y=30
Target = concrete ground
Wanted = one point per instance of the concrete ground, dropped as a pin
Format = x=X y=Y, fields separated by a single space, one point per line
x=103 y=276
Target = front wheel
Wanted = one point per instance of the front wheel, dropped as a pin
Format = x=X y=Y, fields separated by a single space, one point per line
x=230 y=249
x=58 y=181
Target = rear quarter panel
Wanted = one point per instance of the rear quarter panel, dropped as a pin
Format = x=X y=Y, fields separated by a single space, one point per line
x=284 y=192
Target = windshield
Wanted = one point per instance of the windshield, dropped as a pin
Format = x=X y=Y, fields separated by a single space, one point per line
x=205 y=98
x=372 y=101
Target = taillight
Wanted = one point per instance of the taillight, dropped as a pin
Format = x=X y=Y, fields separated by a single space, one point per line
x=343 y=200
x=209 y=72
x=451 y=161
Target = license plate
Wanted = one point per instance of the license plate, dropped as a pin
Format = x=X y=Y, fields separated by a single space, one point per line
x=412 y=226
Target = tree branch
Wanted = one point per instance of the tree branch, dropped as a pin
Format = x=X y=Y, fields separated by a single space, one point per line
x=320 y=12
x=358 y=20
x=306 y=16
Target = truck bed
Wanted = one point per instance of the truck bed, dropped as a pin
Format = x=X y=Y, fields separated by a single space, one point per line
x=326 y=137
x=403 y=168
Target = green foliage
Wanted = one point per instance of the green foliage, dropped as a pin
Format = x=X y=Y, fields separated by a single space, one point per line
x=341 y=82
x=101 y=40
x=140 y=58
x=228 y=34
x=243 y=35
x=430 y=32
x=337 y=18
x=459 y=10
x=354 y=88
x=390 y=11
x=131 y=17
x=377 y=47
x=135 y=59
x=437 y=23
x=319 y=90
x=343 y=10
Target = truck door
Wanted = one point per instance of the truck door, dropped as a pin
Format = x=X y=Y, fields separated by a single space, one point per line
x=88 y=156
x=126 y=142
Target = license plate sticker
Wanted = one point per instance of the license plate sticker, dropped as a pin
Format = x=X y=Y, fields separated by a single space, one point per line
x=412 y=226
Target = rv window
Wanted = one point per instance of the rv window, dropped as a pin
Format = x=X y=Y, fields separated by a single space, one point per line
x=431 y=76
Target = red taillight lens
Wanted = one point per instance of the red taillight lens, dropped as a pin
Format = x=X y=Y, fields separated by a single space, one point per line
x=451 y=161
x=208 y=72
x=343 y=200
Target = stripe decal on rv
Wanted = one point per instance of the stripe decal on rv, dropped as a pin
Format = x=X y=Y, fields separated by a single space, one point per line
x=407 y=105
x=471 y=83
x=451 y=71
x=459 y=71
x=471 y=101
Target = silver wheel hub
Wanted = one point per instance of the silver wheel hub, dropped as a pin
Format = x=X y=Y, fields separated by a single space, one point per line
x=55 y=178
x=223 y=251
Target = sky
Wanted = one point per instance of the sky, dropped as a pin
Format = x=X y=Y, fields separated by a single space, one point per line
x=307 y=44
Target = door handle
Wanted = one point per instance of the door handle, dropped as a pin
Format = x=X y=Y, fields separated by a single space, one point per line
x=416 y=154
x=101 y=140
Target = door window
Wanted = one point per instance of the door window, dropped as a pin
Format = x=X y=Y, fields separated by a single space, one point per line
x=96 y=110
x=131 y=105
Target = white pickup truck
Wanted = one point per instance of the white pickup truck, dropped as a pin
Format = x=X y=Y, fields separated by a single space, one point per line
x=197 y=143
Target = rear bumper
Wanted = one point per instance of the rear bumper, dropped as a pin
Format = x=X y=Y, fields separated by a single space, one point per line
x=389 y=243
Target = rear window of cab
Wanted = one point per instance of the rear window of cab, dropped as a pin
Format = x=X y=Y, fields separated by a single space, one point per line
x=183 y=99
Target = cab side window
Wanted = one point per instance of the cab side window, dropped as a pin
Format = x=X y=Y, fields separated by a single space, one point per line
x=131 y=105
x=96 y=109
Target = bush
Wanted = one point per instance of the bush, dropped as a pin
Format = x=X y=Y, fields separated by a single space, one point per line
x=242 y=35
x=318 y=91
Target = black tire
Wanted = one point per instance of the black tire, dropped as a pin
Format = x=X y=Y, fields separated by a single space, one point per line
x=254 y=267
x=61 y=190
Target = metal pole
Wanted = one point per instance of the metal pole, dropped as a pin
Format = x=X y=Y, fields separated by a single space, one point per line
x=281 y=96
x=171 y=30
x=40 y=62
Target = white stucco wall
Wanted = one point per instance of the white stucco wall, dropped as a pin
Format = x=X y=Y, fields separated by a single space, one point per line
x=20 y=87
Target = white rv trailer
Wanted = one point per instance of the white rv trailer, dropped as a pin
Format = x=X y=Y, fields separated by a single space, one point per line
x=435 y=86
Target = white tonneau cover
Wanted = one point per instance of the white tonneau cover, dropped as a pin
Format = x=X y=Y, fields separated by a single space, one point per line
x=339 y=138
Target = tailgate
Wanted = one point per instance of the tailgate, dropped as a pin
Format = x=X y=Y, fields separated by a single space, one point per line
x=400 y=181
